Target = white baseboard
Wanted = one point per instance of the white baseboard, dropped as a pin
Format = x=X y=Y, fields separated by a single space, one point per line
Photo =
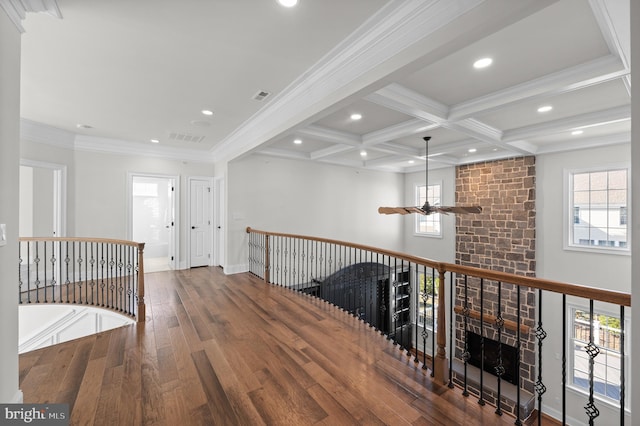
x=236 y=269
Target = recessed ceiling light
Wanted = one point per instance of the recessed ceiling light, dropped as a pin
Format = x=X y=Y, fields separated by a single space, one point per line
x=577 y=132
x=356 y=116
x=472 y=150
x=288 y=3
x=297 y=141
x=363 y=153
x=83 y=126
x=207 y=112
x=545 y=108
x=482 y=63
x=411 y=161
x=155 y=141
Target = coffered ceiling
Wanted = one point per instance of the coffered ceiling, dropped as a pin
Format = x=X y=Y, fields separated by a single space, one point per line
x=135 y=71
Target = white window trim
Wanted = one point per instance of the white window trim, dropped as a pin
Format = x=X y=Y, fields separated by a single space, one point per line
x=439 y=235
x=571 y=308
x=568 y=211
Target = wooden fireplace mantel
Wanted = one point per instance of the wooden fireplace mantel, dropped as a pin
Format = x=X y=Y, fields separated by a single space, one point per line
x=508 y=324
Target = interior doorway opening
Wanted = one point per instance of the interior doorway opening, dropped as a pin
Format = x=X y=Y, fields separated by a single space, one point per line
x=153 y=219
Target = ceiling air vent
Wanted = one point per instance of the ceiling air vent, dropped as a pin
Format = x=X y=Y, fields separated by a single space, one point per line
x=261 y=95
x=185 y=137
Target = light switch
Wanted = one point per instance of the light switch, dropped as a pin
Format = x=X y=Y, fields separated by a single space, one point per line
x=3 y=234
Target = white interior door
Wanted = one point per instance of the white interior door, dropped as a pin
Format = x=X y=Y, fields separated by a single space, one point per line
x=200 y=222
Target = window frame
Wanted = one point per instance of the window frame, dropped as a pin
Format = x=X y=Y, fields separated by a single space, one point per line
x=570 y=212
x=416 y=223
x=582 y=391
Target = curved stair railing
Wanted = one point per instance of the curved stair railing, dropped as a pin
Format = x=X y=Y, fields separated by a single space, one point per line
x=101 y=272
x=432 y=310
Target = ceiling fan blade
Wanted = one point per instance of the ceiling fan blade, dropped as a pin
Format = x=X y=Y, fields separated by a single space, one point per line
x=400 y=210
x=456 y=209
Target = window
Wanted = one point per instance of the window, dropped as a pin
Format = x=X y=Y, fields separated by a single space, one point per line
x=432 y=224
x=427 y=301
x=599 y=210
x=607 y=364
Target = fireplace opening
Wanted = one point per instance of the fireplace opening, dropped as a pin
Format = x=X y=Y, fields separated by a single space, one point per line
x=491 y=347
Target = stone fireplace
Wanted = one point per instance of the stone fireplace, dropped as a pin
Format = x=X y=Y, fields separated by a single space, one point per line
x=501 y=238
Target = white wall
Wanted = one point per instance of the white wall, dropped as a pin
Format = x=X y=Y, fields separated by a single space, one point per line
x=439 y=249
x=553 y=262
x=97 y=204
x=100 y=189
x=302 y=197
x=9 y=204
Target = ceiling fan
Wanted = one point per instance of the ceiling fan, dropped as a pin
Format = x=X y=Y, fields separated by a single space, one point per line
x=428 y=209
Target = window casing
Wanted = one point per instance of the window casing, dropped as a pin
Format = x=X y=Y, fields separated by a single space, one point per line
x=430 y=225
x=607 y=364
x=598 y=202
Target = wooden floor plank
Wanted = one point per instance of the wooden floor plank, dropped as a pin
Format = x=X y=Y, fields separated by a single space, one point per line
x=219 y=349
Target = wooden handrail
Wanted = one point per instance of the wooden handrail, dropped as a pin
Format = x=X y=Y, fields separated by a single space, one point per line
x=88 y=240
x=610 y=296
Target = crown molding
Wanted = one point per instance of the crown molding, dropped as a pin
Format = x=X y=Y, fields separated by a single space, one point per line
x=17 y=10
x=397 y=25
x=117 y=146
x=42 y=133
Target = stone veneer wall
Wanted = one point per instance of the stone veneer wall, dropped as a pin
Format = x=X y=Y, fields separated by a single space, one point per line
x=501 y=238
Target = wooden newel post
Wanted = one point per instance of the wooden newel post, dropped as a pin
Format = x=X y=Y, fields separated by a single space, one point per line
x=141 y=307
x=266 y=259
x=440 y=365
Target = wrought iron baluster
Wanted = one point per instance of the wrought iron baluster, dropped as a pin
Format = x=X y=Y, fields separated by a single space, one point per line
x=416 y=313
x=622 y=361
x=518 y=354
x=20 y=273
x=433 y=320
x=466 y=356
x=593 y=351
x=564 y=359
x=540 y=335
x=36 y=260
x=481 y=400
x=44 y=248
x=500 y=367
x=451 y=321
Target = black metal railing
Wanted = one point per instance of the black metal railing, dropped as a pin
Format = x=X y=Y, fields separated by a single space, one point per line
x=87 y=271
x=497 y=322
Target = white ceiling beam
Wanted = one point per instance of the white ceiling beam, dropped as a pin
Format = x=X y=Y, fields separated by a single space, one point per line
x=330 y=135
x=410 y=102
x=611 y=115
x=598 y=71
x=397 y=131
x=332 y=150
x=399 y=149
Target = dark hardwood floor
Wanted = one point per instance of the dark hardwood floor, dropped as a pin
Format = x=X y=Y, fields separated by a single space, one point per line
x=227 y=350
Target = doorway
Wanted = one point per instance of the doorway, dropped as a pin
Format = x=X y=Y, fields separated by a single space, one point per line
x=42 y=210
x=152 y=200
